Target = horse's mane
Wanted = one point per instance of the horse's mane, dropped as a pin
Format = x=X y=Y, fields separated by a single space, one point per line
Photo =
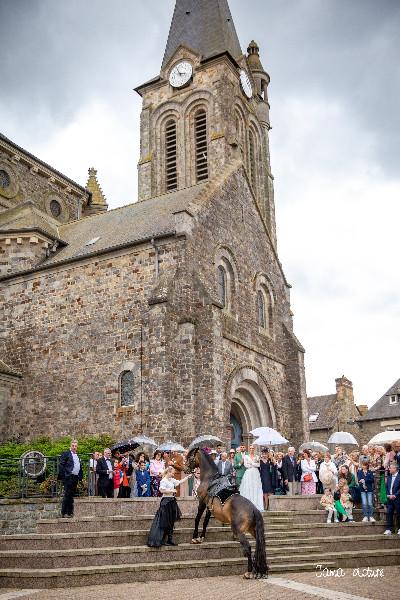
x=207 y=458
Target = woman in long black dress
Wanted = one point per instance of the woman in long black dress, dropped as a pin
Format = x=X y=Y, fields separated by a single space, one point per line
x=268 y=473
x=162 y=528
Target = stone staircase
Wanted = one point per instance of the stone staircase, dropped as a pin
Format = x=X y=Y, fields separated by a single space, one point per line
x=106 y=541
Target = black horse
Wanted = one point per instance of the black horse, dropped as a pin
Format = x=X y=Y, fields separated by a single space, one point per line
x=236 y=510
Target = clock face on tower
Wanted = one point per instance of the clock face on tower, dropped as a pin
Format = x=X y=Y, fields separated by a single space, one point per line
x=180 y=74
x=246 y=84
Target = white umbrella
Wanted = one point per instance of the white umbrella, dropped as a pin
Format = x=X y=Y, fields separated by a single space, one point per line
x=171 y=447
x=385 y=437
x=313 y=446
x=266 y=436
x=342 y=437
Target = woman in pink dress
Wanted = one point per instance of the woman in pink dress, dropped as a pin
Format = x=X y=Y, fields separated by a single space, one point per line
x=308 y=476
x=157 y=468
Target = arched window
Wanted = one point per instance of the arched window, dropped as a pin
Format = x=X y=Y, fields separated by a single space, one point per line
x=171 y=172
x=261 y=309
x=264 y=300
x=222 y=287
x=201 y=149
x=240 y=133
x=127 y=381
x=252 y=159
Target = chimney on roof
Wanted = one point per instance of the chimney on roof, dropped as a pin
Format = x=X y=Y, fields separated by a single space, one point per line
x=362 y=409
x=344 y=389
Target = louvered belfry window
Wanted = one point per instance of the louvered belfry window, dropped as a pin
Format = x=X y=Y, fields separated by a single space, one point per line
x=171 y=173
x=200 y=130
x=252 y=162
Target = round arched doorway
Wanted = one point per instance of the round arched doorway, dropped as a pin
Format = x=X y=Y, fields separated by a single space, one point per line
x=251 y=404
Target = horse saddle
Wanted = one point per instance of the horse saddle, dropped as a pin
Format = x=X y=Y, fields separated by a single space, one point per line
x=222 y=488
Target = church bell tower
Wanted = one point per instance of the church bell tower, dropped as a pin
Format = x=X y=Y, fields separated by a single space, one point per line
x=207 y=107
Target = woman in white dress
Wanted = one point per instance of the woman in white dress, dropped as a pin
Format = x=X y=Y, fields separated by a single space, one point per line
x=251 y=487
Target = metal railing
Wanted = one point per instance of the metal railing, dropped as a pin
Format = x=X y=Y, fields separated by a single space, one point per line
x=36 y=476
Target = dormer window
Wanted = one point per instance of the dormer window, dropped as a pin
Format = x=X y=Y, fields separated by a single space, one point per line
x=312 y=418
x=394 y=399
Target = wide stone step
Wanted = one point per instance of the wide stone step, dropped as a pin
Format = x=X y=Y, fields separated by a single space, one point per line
x=104 y=507
x=116 y=523
x=337 y=543
x=57 y=559
x=157 y=571
x=97 y=539
x=364 y=557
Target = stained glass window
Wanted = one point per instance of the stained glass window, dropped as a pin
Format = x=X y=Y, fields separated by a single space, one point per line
x=127 y=388
x=4 y=179
x=261 y=309
x=222 y=285
x=55 y=208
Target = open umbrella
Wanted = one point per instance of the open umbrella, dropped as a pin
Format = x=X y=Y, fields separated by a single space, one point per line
x=342 y=437
x=205 y=441
x=266 y=436
x=313 y=446
x=171 y=447
x=124 y=446
x=143 y=440
x=385 y=437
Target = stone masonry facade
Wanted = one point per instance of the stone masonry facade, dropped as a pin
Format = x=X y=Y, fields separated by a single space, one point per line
x=183 y=292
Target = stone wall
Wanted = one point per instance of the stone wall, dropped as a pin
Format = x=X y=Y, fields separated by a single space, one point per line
x=73 y=330
x=21 y=516
x=28 y=181
x=21 y=251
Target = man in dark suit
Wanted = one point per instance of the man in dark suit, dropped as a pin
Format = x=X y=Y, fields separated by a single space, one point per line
x=70 y=473
x=105 y=471
x=289 y=472
x=225 y=467
x=393 y=498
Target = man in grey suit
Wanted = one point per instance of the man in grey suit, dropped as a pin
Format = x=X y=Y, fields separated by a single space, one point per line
x=225 y=466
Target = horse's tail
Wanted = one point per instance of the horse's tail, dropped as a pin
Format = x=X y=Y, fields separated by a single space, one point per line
x=260 y=559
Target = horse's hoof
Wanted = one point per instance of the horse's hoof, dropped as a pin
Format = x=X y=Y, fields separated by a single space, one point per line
x=201 y=540
x=248 y=576
x=194 y=541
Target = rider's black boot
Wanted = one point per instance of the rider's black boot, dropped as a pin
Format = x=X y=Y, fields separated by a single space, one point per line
x=170 y=542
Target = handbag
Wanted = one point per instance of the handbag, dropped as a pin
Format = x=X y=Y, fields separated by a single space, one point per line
x=307 y=477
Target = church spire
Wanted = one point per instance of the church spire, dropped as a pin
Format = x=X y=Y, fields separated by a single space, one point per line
x=205 y=26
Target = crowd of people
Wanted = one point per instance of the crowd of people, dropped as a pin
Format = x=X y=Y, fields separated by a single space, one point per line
x=369 y=478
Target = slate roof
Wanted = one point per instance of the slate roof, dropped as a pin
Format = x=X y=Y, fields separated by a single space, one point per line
x=382 y=409
x=123 y=226
x=205 y=26
x=6 y=370
x=324 y=406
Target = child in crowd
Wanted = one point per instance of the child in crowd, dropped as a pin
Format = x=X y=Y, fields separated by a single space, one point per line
x=328 y=503
x=143 y=480
x=347 y=502
x=196 y=481
x=117 y=478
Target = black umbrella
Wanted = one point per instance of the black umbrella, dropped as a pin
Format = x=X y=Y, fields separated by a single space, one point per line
x=125 y=446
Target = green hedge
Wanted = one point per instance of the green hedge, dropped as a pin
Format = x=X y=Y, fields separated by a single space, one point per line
x=50 y=447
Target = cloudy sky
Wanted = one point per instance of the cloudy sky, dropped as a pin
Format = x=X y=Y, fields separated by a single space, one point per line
x=66 y=77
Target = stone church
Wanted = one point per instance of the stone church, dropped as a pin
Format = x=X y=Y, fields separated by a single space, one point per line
x=169 y=316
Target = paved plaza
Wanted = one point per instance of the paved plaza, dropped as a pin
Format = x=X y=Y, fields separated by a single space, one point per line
x=299 y=586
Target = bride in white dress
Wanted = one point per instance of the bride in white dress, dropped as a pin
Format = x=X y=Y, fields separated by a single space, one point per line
x=251 y=487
